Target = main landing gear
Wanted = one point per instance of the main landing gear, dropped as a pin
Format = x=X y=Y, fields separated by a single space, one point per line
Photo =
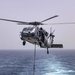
x=24 y=42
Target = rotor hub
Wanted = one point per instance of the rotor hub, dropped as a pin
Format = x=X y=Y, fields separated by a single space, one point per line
x=36 y=23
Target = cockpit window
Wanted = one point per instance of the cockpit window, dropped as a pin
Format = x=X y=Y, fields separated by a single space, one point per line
x=28 y=29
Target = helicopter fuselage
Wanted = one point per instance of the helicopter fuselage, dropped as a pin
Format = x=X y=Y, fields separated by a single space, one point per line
x=36 y=35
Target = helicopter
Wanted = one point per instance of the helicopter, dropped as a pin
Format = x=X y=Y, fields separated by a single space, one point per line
x=37 y=35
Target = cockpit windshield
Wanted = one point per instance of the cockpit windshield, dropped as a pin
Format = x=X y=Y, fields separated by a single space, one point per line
x=28 y=29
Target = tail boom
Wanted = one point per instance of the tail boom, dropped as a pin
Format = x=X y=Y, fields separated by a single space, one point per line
x=57 y=46
x=54 y=46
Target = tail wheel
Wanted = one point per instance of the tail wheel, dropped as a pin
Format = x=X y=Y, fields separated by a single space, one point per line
x=47 y=51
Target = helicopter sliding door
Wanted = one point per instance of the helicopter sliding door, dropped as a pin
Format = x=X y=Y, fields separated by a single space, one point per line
x=41 y=35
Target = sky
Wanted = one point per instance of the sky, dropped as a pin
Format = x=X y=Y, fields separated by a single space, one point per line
x=36 y=10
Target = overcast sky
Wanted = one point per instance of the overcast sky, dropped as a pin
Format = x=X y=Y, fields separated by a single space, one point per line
x=36 y=10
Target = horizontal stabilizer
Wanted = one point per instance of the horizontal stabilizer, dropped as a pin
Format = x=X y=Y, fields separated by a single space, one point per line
x=57 y=46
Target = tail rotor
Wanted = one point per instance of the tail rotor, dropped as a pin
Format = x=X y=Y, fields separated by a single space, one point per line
x=51 y=35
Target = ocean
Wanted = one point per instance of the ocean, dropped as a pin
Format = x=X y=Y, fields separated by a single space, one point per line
x=20 y=62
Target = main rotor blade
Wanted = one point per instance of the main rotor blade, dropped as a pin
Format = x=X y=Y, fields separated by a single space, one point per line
x=50 y=18
x=61 y=23
x=18 y=22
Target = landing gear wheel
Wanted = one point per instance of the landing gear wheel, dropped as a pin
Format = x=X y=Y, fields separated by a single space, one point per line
x=24 y=42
